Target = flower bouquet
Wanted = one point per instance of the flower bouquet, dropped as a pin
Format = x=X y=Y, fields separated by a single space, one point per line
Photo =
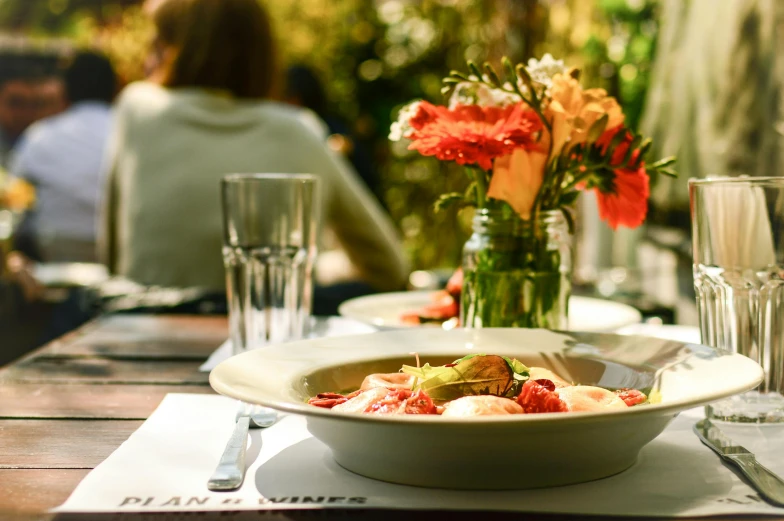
x=531 y=139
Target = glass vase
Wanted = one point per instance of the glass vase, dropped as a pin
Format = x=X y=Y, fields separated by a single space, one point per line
x=517 y=272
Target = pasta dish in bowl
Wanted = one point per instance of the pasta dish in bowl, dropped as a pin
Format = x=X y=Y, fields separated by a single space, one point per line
x=485 y=408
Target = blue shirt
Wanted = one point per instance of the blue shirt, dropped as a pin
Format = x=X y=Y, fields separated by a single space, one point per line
x=63 y=157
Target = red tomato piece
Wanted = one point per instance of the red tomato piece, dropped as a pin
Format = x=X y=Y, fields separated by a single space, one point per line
x=454 y=285
x=391 y=403
x=631 y=396
x=410 y=318
x=327 y=400
x=420 y=403
x=535 y=397
x=444 y=306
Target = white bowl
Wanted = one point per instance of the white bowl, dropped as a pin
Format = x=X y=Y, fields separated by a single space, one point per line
x=489 y=452
x=384 y=311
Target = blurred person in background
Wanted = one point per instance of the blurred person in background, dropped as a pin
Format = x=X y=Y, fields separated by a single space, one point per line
x=19 y=102
x=305 y=89
x=62 y=156
x=52 y=97
x=205 y=112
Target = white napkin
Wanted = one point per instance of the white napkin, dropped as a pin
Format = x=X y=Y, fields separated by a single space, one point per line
x=164 y=466
x=321 y=327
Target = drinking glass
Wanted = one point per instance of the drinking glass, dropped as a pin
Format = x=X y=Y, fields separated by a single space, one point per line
x=269 y=248
x=738 y=241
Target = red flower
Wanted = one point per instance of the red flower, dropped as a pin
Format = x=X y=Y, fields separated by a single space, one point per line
x=472 y=134
x=623 y=201
x=628 y=204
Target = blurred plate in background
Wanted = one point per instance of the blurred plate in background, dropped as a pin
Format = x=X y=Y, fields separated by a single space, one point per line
x=384 y=311
x=70 y=274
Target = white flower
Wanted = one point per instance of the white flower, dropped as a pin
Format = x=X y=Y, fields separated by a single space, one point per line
x=542 y=71
x=469 y=93
x=402 y=128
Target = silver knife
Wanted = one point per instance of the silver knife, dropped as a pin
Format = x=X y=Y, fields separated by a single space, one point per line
x=769 y=485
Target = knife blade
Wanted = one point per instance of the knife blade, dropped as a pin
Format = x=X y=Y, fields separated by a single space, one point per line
x=769 y=485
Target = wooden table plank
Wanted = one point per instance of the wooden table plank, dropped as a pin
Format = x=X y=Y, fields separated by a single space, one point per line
x=29 y=493
x=84 y=375
x=47 y=400
x=148 y=349
x=43 y=369
x=167 y=326
x=141 y=336
x=60 y=444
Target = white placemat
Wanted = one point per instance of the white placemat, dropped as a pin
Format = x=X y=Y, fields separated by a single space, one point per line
x=321 y=327
x=164 y=466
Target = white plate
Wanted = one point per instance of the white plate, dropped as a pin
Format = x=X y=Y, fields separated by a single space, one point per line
x=488 y=452
x=384 y=310
x=70 y=274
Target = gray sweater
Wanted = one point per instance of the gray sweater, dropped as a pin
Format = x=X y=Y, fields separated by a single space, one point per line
x=169 y=148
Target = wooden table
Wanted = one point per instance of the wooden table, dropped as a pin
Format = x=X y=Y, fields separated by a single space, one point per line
x=65 y=407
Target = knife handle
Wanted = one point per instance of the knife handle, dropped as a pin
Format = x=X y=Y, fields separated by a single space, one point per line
x=766 y=482
x=231 y=470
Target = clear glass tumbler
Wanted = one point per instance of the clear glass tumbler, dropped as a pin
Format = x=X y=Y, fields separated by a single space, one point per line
x=269 y=249
x=738 y=242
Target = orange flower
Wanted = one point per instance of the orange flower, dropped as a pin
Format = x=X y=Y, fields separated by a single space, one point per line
x=517 y=179
x=471 y=134
x=625 y=201
x=573 y=111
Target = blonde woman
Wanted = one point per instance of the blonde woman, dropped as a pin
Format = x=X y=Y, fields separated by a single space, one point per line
x=204 y=112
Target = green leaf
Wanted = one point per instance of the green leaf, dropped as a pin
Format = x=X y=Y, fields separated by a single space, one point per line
x=524 y=75
x=644 y=147
x=568 y=217
x=569 y=198
x=667 y=171
x=470 y=191
x=667 y=161
x=519 y=368
x=522 y=72
x=597 y=129
x=472 y=376
x=490 y=72
x=632 y=147
x=475 y=70
x=424 y=372
x=514 y=364
x=467 y=357
x=510 y=69
x=616 y=140
x=446 y=200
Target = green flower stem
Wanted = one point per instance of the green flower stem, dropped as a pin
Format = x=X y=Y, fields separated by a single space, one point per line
x=481 y=187
x=578 y=178
x=515 y=275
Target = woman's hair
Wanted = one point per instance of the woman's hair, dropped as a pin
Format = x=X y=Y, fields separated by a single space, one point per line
x=219 y=44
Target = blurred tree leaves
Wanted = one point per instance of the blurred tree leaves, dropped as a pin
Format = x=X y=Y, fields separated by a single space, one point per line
x=376 y=55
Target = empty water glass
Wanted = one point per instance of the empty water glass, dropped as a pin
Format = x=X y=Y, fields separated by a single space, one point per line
x=738 y=240
x=269 y=249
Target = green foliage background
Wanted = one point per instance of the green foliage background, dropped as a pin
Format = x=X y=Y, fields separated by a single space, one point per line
x=376 y=55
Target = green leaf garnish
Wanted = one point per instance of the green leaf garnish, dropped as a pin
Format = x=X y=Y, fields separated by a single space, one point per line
x=472 y=375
